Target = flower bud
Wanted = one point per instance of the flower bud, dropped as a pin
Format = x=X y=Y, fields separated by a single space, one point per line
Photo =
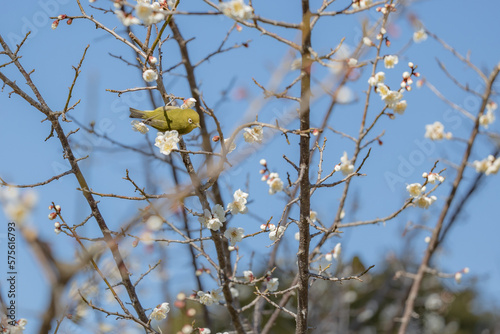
x=263 y=162
x=55 y=24
x=69 y=21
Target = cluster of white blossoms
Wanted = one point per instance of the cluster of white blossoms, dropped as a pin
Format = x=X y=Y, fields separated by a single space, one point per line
x=433 y=177
x=488 y=166
x=435 y=131
x=360 y=4
x=209 y=298
x=345 y=165
x=419 y=36
x=335 y=253
x=139 y=127
x=392 y=98
x=459 y=274
x=379 y=77
x=234 y=234
x=275 y=233
x=238 y=205
x=418 y=193
x=18 y=328
x=489 y=117
x=160 y=312
x=252 y=135
x=149 y=75
x=236 y=9
x=149 y=13
x=213 y=220
x=273 y=179
x=167 y=141
x=17 y=206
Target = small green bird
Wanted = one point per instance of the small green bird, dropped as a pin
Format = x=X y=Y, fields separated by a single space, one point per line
x=168 y=118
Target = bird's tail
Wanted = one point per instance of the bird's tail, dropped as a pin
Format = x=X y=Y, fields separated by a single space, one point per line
x=136 y=113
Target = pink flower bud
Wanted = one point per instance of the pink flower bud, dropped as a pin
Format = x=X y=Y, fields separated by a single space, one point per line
x=52 y=215
x=69 y=21
x=55 y=24
x=62 y=17
x=215 y=138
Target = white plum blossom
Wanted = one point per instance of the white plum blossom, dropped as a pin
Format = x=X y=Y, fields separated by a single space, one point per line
x=238 y=205
x=345 y=165
x=352 y=62
x=234 y=234
x=149 y=75
x=390 y=97
x=160 y=312
x=17 y=207
x=139 y=127
x=360 y=4
x=335 y=253
x=275 y=183
x=487 y=118
x=433 y=177
x=127 y=19
x=252 y=135
x=367 y=41
x=248 y=274
x=488 y=166
x=390 y=61
x=188 y=103
x=213 y=220
x=167 y=141
x=272 y=284
x=424 y=202
x=149 y=13
x=313 y=215
x=276 y=233
x=435 y=131
x=415 y=189
x=209 y=298
x=379 y=77
x=419 y=36
x=400 y=107
x=11 y=327
x=154 y=223
x=236 y=9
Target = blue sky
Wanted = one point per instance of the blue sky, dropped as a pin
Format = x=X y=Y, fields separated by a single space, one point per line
x=27 y=158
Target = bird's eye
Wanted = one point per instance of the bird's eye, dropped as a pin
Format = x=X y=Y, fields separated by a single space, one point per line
x=190 y=120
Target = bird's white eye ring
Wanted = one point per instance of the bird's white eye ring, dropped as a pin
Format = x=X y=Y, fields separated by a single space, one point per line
x=190 y=120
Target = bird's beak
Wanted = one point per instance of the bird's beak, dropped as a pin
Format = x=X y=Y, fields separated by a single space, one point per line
x=198 y=125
